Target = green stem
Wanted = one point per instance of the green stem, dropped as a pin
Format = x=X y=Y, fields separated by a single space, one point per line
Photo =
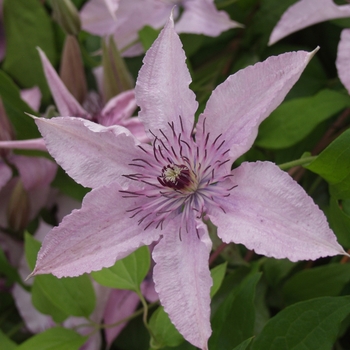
x=293 y=163
x=144 y=317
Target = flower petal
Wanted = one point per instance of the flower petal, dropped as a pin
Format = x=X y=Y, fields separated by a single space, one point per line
x=270 y=213
x=343 y=58
x=35 y=321
x=5 y=174
x=183 y=281
x=238 y=106
x=202 y=17
x=120 y=305
x=162 y=88
x=66 y=104
x=35 y=172
x=99 y=16
x=32 y=144
x=132 y=16
x=118 y=109
x=93 y=155
x=95 y=236
x=32 y=97
x=306 y=13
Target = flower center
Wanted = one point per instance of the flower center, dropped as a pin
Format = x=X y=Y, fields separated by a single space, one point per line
x=175 y=176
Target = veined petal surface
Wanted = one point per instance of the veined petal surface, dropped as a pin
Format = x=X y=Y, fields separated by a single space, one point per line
x=306 y=13
x=94 y=236
x=270 y=213
x=182 y=279
x=343 y=58
x=162 y=87
x=238 y=106
x=66 y=104
x=202 y=17
x=93 y=155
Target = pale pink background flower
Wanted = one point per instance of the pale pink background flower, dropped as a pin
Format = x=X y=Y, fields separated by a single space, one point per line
x=125 y=18
x=305 y=13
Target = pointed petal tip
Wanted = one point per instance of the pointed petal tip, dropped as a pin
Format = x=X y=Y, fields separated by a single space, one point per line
x=32 y=116
x=171 y=17
x=32 y=274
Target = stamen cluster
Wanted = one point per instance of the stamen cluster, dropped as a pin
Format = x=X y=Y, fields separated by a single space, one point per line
x=179 y=175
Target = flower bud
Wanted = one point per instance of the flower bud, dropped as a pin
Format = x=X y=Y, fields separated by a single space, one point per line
x=67 y=16
x=72 y=69
x=116 y=77
x=18 y=209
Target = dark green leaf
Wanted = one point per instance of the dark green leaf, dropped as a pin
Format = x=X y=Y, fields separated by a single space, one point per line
x=328 y=280
x=244 y=345
x=234 y=320
x=147 y=36
x=164 y=331
x=334 y=166
x=217 y=274
x=127 y=273
x=68 y=186
x=339 y=222
x=15 y=107
x=54 y=339
x=312 y=324
x=294 y=120
x=22 y=60
x=7 y=269
x=276 y=269
x=6 y=342
x=43 y=303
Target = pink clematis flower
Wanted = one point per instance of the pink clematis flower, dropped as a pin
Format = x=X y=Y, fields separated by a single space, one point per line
x=305 y=13
x=160 y=193
x=126 y=18
x=343 y=60
x=117 y=111
x=35 y=173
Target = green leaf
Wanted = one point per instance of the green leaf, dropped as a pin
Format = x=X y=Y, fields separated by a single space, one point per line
x=31 y=249
x=6 y=342
x=54 y=339
x=127 y=273
x=294 y=120
x=147 y=36
x=217 y=274
x=68 y=186
x=234 y=320
x=312 y=324
x=15 y=107
x=244 y=345
x=22 y=60
x=339 y=222
x=276 y=269
x=163 y=330
x=59 y=297
x=328 y=280
x=334 y=166
x=7 y=269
